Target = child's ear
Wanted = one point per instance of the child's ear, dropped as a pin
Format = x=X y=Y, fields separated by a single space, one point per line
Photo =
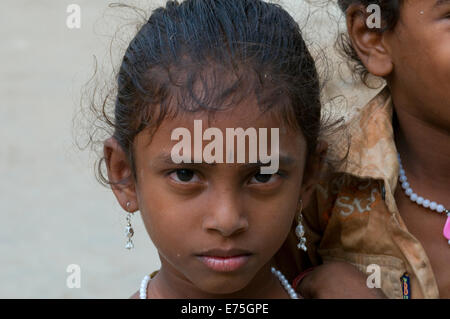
x=120 y=173
x=369 y=43
x=313 y=167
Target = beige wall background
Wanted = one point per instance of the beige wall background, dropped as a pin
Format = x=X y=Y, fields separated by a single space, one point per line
x=54 y=212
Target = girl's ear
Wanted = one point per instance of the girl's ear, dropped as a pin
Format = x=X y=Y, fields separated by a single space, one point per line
x=120 y=173
x=369 y=43
x=311 y=175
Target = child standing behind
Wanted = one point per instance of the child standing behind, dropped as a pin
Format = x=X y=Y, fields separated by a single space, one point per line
x=389 y=206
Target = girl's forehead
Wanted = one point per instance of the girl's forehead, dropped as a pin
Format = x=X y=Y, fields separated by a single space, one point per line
x=245 y=115
x=245 y=112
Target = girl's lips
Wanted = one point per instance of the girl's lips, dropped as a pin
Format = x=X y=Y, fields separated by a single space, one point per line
x=224 y=264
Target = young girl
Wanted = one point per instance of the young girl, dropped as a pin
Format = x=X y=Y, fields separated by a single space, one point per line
x=387 y=210
x=195 y=72
x=203 y=67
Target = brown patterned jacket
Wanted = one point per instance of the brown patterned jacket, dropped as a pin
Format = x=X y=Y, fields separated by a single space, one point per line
x=354 y=216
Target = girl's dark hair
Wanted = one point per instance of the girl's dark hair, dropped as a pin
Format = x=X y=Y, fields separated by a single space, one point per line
x=205 y=55
x=390 y=14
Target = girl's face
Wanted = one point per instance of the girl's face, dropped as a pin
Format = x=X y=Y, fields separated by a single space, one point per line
x=217 y=226
x=414 y=57
x=420 y=51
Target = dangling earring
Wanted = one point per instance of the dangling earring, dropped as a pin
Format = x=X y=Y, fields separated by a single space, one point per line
x=129 y=230
x=300 y=231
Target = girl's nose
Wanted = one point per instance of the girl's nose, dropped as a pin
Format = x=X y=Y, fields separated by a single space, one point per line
x=225 y=215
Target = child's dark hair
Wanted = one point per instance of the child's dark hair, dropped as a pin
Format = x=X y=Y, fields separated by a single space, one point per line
x=390 y=14
x=201 y=55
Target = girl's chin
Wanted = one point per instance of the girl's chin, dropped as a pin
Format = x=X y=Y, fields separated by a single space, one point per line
x=220 y=287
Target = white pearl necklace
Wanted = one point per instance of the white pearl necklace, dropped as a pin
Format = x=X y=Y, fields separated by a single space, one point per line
x=419 y=200
x=280 y=276
x=143 y=289
x=285 y=283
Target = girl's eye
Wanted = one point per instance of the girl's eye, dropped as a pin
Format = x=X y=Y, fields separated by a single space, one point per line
x=184 y=176
x=263 y=178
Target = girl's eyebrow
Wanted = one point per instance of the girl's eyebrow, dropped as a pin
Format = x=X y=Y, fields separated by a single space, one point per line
x=166 y=158
x=284 y=160
x=441 y=3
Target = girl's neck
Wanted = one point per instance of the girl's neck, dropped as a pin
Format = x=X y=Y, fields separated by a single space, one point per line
x=425 y=152
x=169 y=285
